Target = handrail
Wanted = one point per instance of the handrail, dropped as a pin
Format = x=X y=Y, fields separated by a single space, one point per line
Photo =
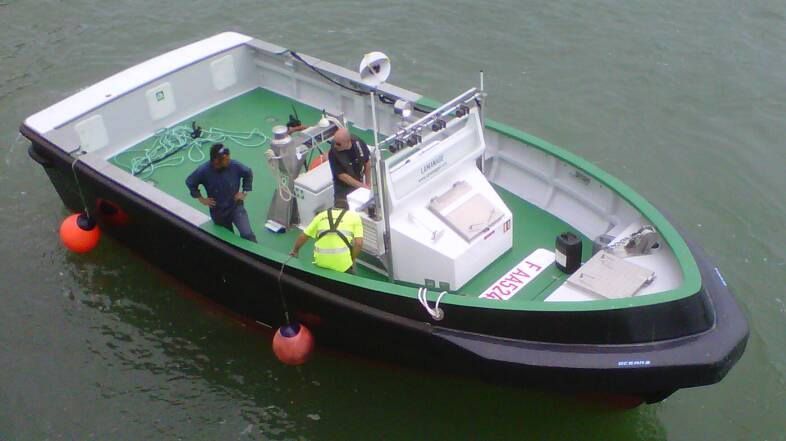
x=466 y=97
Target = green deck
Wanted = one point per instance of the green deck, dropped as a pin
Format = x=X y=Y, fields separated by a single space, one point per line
x=261 y=109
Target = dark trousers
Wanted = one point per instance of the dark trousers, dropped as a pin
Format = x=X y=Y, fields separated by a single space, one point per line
x=239 y=218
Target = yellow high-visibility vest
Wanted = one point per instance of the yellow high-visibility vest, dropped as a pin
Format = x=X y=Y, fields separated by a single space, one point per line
x=330 y=250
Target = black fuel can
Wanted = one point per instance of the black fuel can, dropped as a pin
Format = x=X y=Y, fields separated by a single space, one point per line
x=568 y=252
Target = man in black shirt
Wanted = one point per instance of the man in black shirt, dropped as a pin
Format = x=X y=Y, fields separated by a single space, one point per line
x=350 y=163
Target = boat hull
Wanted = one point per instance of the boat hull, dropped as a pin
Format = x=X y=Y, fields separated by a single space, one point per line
x=647 y=352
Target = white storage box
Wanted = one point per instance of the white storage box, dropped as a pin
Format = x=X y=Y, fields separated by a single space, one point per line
x=314 y=192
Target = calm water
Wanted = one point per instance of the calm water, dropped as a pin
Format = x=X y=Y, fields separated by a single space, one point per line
x=683 y=100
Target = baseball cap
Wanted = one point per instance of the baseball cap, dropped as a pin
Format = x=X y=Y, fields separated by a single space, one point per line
x=218 y=150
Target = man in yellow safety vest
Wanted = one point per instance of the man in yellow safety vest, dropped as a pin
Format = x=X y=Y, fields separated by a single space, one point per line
x=338 y=234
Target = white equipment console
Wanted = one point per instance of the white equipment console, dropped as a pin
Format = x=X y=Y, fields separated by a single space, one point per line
x=447 y=223
x=314 y=192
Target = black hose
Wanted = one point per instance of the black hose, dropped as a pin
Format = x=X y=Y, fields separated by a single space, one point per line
x=156 y=161
x=382 y=97
x=196 y=133
x=299 y=58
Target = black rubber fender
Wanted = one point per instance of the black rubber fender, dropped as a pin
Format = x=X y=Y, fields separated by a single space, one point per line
x=35 y=156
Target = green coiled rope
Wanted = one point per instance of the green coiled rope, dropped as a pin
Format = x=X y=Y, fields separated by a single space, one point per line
x=169 y=142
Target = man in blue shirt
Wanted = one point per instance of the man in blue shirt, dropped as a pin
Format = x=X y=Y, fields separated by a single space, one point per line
x=221 y=178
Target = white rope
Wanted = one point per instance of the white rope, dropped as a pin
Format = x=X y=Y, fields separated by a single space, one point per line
x=79 y=186
x=436 y=313
x=282 y=180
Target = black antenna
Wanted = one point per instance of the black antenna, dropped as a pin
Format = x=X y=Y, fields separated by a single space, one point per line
x=196 y=131
x=294 y=120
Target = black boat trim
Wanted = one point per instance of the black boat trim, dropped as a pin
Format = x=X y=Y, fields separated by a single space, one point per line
x=35 y=156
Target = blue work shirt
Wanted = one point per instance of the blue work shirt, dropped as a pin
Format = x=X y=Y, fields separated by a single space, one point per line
x=221 y=185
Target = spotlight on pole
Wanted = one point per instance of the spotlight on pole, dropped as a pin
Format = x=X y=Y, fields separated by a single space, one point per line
x=374 y=69
x=402 y=108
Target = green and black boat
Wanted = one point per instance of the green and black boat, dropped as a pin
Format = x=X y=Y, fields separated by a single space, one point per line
x=487 y=251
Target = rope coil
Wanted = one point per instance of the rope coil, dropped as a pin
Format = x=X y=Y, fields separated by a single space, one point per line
x=168 y=142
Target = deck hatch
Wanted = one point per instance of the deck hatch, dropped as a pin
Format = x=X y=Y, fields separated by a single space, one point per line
x=610 y=276
x=467 y=212
x=223 y=72
x=92 y=133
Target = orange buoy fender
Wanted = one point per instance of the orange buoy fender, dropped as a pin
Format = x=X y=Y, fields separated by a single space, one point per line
x=79 y=233
x=293 y=344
